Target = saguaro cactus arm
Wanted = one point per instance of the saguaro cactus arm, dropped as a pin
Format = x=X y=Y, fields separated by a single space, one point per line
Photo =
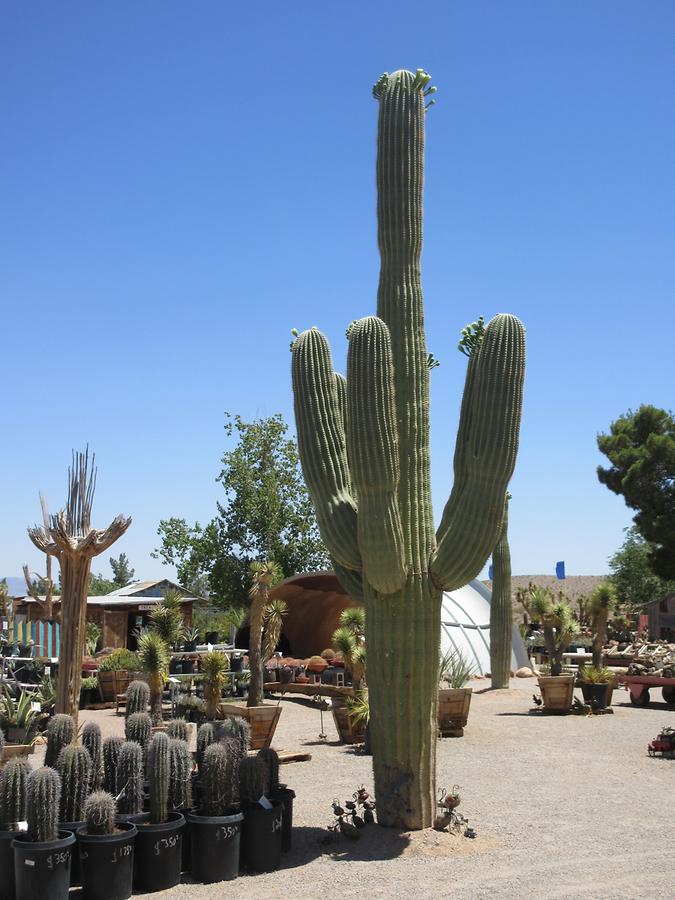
x=372 y=448
x=319 y=420
x=485 y=454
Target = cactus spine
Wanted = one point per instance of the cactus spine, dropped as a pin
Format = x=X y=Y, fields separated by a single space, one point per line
x=43 y=798
x=91 y=739
x=60 y=732
x=220 y=778
x=180 y=769
x=366 y=464
x=129 y=778
x=111 y=752
x=177 y=728
x=138 y=698
x=253 y=780
x=74 y=768
x=501 y=609
x=99 y=813
x=158 y=777
x=13 y=779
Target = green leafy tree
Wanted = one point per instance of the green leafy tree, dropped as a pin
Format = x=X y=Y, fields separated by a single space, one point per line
x=633 y=577
x=123 y=574
x=99 y=585
x=266 y=515
x=641 y=449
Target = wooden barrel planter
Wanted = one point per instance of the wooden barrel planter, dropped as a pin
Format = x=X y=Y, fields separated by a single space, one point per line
x=262 y=719
x=453 y=711
x=350 y=732
x=557 y=692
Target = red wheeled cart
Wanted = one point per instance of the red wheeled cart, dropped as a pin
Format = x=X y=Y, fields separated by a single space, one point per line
x=639 y=686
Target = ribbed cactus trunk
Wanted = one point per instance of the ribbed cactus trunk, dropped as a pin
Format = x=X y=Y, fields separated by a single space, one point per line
x=364 y=445
x=501 y=609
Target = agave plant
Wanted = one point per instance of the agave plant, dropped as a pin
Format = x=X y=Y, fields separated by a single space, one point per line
x=153 y=654
x=454 y=669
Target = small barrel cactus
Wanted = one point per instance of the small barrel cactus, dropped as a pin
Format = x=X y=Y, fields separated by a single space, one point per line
x=91 y=739
x=13 y=779
x=238 y=728
x=129 y=778
x=158 y=777
x=205 y=737
x=253 y=780
x=111 y=752
x=138 y=727
x=60 y=733
x=43 y=798
x=270 y=758
x=99 y=813
x=220 y=778
x=138 y=698
x=177 y=728
x=74 y=768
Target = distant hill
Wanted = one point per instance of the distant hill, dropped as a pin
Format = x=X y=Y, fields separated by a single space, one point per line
x=573 y=586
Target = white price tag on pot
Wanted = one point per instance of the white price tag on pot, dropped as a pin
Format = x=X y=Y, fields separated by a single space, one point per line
x=48 y=670
x=264 y=802
x=35 y=706
x=22 y=826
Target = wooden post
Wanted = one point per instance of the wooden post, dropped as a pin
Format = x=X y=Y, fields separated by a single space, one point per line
x=70 y=538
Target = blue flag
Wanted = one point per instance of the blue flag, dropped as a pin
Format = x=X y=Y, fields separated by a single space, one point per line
x=560 y=569
x=490 y=573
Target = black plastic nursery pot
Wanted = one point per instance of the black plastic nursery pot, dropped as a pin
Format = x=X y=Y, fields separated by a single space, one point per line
x=215 y=847
x=286 y=796
x=75 y=861
x=7 y=864
x=595 y=695
x=261 y=838
x=42 y=868
x=107 y=863
x=158 y=852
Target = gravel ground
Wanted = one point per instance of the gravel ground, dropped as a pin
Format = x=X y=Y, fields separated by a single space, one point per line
x=563 y=807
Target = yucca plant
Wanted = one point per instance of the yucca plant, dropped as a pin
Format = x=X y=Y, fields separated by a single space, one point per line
x=214 y=668
x=349 y=641
x=600 y=603
x=557 y=621
x=166 y=619
x=273 y=620
x=153 y=654
x=264 y=575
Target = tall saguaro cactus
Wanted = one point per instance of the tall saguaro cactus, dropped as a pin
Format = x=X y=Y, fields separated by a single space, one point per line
x=364 y=445
x=501 y=608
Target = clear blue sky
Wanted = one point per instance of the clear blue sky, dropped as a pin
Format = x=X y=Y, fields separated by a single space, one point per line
x=183 y=183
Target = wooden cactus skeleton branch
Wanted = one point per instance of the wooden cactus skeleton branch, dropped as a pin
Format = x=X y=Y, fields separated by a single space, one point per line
x=70 y=538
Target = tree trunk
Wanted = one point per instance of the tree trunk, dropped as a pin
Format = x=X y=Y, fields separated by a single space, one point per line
x=74 y=588
x=599 y=637
x=501 y=610
x=403 y=698
x=255 y=661
x=156 y=683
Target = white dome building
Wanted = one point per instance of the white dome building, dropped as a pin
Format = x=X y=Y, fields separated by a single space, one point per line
x=465 y=627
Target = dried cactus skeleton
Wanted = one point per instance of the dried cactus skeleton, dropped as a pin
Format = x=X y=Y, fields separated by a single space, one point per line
x=364 y=446
x=71 y=539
